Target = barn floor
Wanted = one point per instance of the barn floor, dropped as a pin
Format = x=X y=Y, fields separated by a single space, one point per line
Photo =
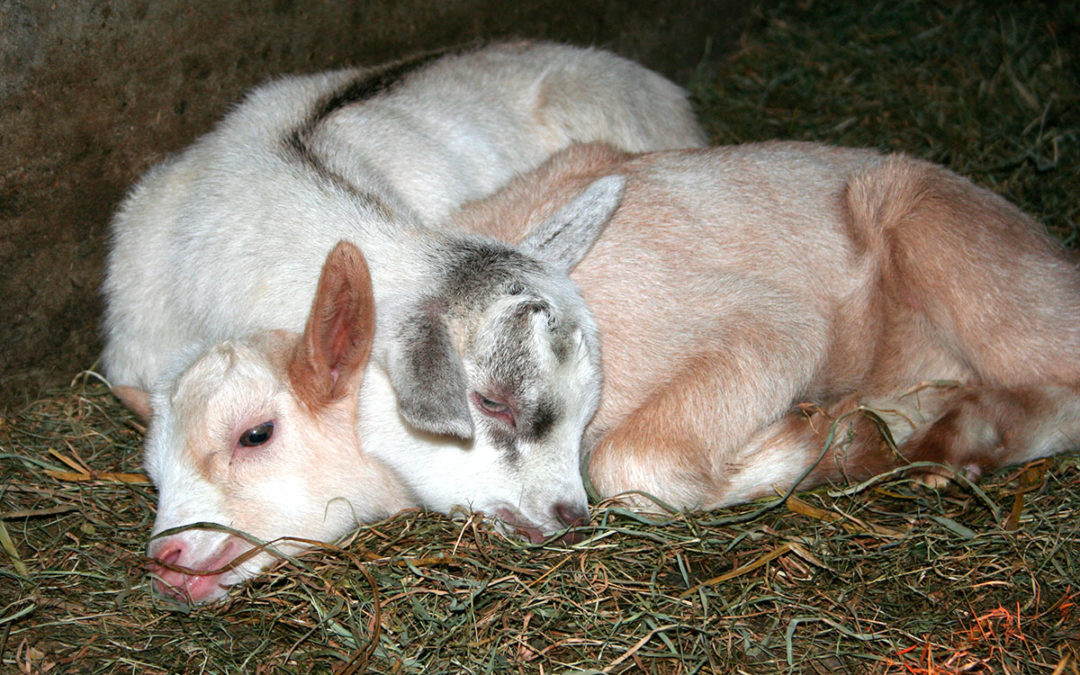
x=884 y=577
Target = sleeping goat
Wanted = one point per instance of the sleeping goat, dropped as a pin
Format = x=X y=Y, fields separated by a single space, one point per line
x=750 y=297
x=218 y=249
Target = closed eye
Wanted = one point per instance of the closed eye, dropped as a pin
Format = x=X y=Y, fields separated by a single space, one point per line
x=493 y=408
x=257 y=435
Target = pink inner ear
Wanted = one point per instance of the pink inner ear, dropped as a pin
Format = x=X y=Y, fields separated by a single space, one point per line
x=340 y=328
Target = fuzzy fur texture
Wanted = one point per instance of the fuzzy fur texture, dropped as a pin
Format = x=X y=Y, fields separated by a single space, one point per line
x=219 y=247
x=750 y=296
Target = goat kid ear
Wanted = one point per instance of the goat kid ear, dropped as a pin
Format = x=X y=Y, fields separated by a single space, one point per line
x=565 y=238
x=428 y=377
x=334 y=350
x=136 y=400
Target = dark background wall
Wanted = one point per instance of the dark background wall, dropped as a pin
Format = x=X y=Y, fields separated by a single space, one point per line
x=93 y=93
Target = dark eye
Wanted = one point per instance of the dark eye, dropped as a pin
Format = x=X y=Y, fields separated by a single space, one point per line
x=257 y=435
x=493 y=408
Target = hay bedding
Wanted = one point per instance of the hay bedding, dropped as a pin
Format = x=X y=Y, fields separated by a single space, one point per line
x=886 y=577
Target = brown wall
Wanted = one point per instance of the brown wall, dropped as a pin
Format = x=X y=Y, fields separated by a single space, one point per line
x=93 y=93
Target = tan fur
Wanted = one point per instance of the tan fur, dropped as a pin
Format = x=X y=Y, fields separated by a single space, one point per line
x=136 y=400
x=734 y=283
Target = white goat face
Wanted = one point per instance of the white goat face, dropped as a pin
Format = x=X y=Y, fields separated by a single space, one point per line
x=516 y=378
x=259 y=435
x=216 y=450
x=503 y=355
x=534 y=375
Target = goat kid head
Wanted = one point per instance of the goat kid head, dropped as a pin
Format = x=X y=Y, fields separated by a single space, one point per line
x=259 y=435
x=502 y=354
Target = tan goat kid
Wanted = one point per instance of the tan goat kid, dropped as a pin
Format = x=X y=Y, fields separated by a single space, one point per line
x=735 y=285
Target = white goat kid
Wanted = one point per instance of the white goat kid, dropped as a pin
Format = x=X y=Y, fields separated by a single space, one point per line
x=257 y=434
x=226 y=239
x=733 y=284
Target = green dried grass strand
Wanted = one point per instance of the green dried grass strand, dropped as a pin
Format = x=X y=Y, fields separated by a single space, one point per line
x=13 y=554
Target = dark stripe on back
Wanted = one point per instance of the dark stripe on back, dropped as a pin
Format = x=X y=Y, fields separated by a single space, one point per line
x=367 y=86
x=374 y=83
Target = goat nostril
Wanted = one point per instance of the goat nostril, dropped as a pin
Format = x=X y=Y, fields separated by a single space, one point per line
x=168 y=554
x=571 y=538
x=570 y=515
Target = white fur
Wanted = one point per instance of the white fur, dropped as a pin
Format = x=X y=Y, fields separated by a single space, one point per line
x=226 y=239
x=309 y=481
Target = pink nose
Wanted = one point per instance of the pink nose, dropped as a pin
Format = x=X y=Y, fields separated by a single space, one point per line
x=168 y=552
x=571 y=515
